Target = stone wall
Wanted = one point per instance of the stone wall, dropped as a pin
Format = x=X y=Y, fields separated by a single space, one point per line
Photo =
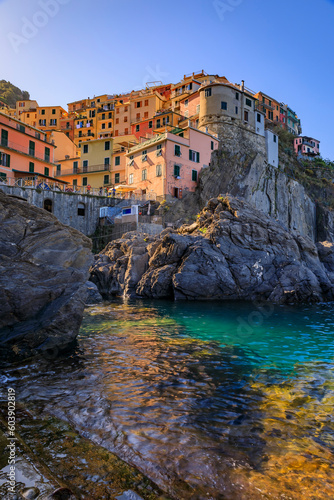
x=65 y=206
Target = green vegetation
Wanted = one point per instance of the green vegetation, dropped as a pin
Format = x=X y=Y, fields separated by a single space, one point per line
x=316 y=175
x=9 y=94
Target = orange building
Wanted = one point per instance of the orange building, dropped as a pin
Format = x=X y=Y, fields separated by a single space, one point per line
x=24 y=151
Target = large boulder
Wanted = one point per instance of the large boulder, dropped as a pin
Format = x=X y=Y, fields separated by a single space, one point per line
x=44 y=267
x=232 y=252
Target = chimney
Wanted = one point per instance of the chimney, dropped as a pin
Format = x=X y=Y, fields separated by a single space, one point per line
x=242 y=85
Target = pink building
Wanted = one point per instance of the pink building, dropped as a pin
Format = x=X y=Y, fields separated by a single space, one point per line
x=169 y=164
x=25 y=152
x=306 y=146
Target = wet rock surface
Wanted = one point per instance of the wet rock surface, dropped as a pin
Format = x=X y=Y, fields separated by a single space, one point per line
x=43 y=271
x=231 y=252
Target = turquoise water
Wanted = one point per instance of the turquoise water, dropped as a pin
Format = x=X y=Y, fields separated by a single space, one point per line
x=210 y=400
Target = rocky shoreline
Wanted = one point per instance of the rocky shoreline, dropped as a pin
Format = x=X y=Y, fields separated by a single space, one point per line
x=232 y=252
x=43 y=274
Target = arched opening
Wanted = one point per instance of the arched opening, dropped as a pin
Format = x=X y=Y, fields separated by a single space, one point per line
x=48 y=205
x=81 y=209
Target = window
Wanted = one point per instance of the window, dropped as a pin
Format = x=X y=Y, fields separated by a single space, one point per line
x=85 y=165
x=75 y=167
x=131 y=179
x=158 y=123
x=47 y=154
x=125 y=119
x=194 y=175
x=177 y=170
x=237 y=96
x=31 y=148
x=258 y=118
x=248 y=102
x=58 y=172
x=46 y=171
x=246 y=116
x=4 y=159
x=186 y=102
x=224 y=105
x=85 y=148
x=158 y=170
x=194 y=156
x=177 y=150
x=3 y=176
x=109 y=115
x=53 y=111
x=138 y=116
x=84 y=181
x=106 y=162
x=117 y=121
x=138 y=104
x=146 y=114
x=275 y=138
x=144 y=174
x=137 y=128
x=236 y=110
x=117 y=160
x=150 y=124
x=107 y=146
x=106 y=179
x=212 y=145
x=53 y=122
x=117 y=111
x=144 y=155
x=4 y=138
x=23 y=129
x=198 y=108
x=109 y=125
x=270 y=115
x=269 y=102
x=126 y=131
x=103 y=126
x=159 y=149
x=208 y=92
x=81 y=207
x=31 y=167
x=38 y=135
x=42 y=111
x=146 y=102
x=103 y=116
x=117 y=177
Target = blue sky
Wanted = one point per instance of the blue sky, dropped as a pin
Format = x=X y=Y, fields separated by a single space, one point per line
x=74 y=49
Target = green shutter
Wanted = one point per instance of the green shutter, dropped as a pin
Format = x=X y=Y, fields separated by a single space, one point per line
x=197 y=157
x=31 y=167
x=8 y=161
x=4 y=138
x=190 y=154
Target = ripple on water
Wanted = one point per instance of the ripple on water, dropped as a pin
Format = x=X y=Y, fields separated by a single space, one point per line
x=200 y=405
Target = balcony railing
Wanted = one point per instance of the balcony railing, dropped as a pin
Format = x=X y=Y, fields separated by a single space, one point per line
x=84 y=135
x=13 y=146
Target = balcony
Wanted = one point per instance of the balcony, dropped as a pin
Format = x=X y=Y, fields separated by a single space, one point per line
x=26 y=150
x=82 y=136
x=106 y=108
x=307 y=142
x=94 y=168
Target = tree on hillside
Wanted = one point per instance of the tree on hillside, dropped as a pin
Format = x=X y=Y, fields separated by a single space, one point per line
x=9 y=94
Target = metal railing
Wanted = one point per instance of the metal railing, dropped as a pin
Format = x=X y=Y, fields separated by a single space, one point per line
x=25 y=150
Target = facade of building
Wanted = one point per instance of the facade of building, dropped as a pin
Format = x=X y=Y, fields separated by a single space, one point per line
x=169 y=164
x=24 y=151
x=307 y=146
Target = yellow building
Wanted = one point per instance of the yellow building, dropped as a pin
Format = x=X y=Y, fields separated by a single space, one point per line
x=65 y=147
x=48 y=117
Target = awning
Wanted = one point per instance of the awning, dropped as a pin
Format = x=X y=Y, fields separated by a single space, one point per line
x=124 y=187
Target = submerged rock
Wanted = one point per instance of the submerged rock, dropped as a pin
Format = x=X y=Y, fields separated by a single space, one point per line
x=43 y=270
x=233 y=251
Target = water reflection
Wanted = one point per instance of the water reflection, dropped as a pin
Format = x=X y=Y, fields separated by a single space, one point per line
x=204 y=412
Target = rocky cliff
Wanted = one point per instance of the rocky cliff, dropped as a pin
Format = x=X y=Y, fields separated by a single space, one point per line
x=231 y=252
x=43 y=272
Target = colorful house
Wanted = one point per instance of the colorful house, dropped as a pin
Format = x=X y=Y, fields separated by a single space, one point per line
x=169 y=164
x=306 y=146
x=25 y=152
